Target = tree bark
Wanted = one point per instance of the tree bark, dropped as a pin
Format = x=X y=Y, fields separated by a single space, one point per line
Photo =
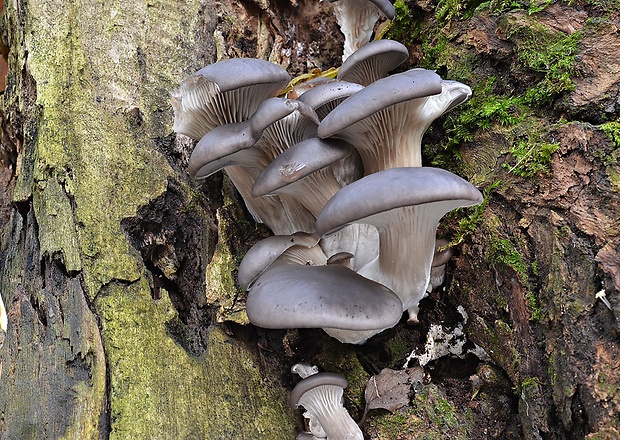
x=117 y=271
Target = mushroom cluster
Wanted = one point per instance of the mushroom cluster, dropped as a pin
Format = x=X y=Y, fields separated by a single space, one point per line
x=337 y=175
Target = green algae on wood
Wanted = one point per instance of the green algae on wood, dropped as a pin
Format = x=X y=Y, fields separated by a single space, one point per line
x=158 y=390
x=56 y=226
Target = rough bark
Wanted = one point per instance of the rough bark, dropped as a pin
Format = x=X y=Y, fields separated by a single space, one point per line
x=125 y=320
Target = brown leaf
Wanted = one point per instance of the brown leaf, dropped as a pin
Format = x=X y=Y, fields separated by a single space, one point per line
x=390 y=389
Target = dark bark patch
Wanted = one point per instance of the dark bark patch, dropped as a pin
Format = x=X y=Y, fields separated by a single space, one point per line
x=176 y=238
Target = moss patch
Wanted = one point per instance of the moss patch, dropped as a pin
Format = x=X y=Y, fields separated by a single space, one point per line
x=158 y=390
x=432 y=417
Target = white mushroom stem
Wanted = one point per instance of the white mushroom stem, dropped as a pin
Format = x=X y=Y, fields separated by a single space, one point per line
x=323 y=406
x=357 y=19
x=390 y=138
x=406 y=245
x=283 y=215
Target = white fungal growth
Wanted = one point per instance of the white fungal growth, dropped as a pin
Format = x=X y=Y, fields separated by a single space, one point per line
x=441 y=342
x=304 y=370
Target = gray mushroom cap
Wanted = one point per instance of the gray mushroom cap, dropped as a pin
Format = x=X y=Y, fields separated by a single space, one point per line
x=391 y=189
x=298 y=162
x=224 y=92
x=215 y=149
x=383 y=93
x=241 y=72
x=373 y=61
x=313 y=381
x=442 y=253
x=297 y=296
x=325 y=97
x=265 y=252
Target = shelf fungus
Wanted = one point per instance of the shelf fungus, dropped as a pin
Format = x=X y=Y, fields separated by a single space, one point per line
x=344 y=304
x=320 y=394
x=372 y=62
x=405 y=205
x=386 y=120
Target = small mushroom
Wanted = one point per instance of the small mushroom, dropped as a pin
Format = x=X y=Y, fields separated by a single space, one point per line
x=438 y=266
x=267 y=251
x=303 y=171
x=357 y=19
x=347 y=306
x=224 y=92
x=405 y=205
x=325 y=97
x=304 y=370
x=321 y=396
x=227 y=145
x=373 y=61
x=382 y=121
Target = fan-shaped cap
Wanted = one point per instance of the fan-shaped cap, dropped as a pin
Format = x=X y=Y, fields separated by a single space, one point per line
x=297 y=296
x=391 y=189
x=373 y=61
x=242 y=72
x=313 y=381
x=325 y=97
x=265 y=252
x=196 y=99
x=298 y=162
x=212 y=151
x=383 y=93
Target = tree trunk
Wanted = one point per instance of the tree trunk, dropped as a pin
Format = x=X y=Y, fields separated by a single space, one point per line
x=117 y=271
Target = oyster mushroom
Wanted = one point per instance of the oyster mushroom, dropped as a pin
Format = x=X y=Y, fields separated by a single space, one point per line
x=321 y=396
x=373 y=61
x=357 y=19
x=230 y=147
x=405 y=205
x=386 y=120
x=224 y=92
x=381 y=121
x=347 y=306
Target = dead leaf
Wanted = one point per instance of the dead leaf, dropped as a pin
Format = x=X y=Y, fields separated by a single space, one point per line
x=390 y=389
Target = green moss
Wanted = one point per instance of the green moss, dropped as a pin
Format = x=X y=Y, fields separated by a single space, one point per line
x=503 y=253
x=398 y=349
x=485 y=111
x=468 y=225
x=406 y=27
x=431 y=416
x=448 y=10
x=551 y=54
x=342 y=358
x=531 y=158
x=612 y=160
x=158 y=390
